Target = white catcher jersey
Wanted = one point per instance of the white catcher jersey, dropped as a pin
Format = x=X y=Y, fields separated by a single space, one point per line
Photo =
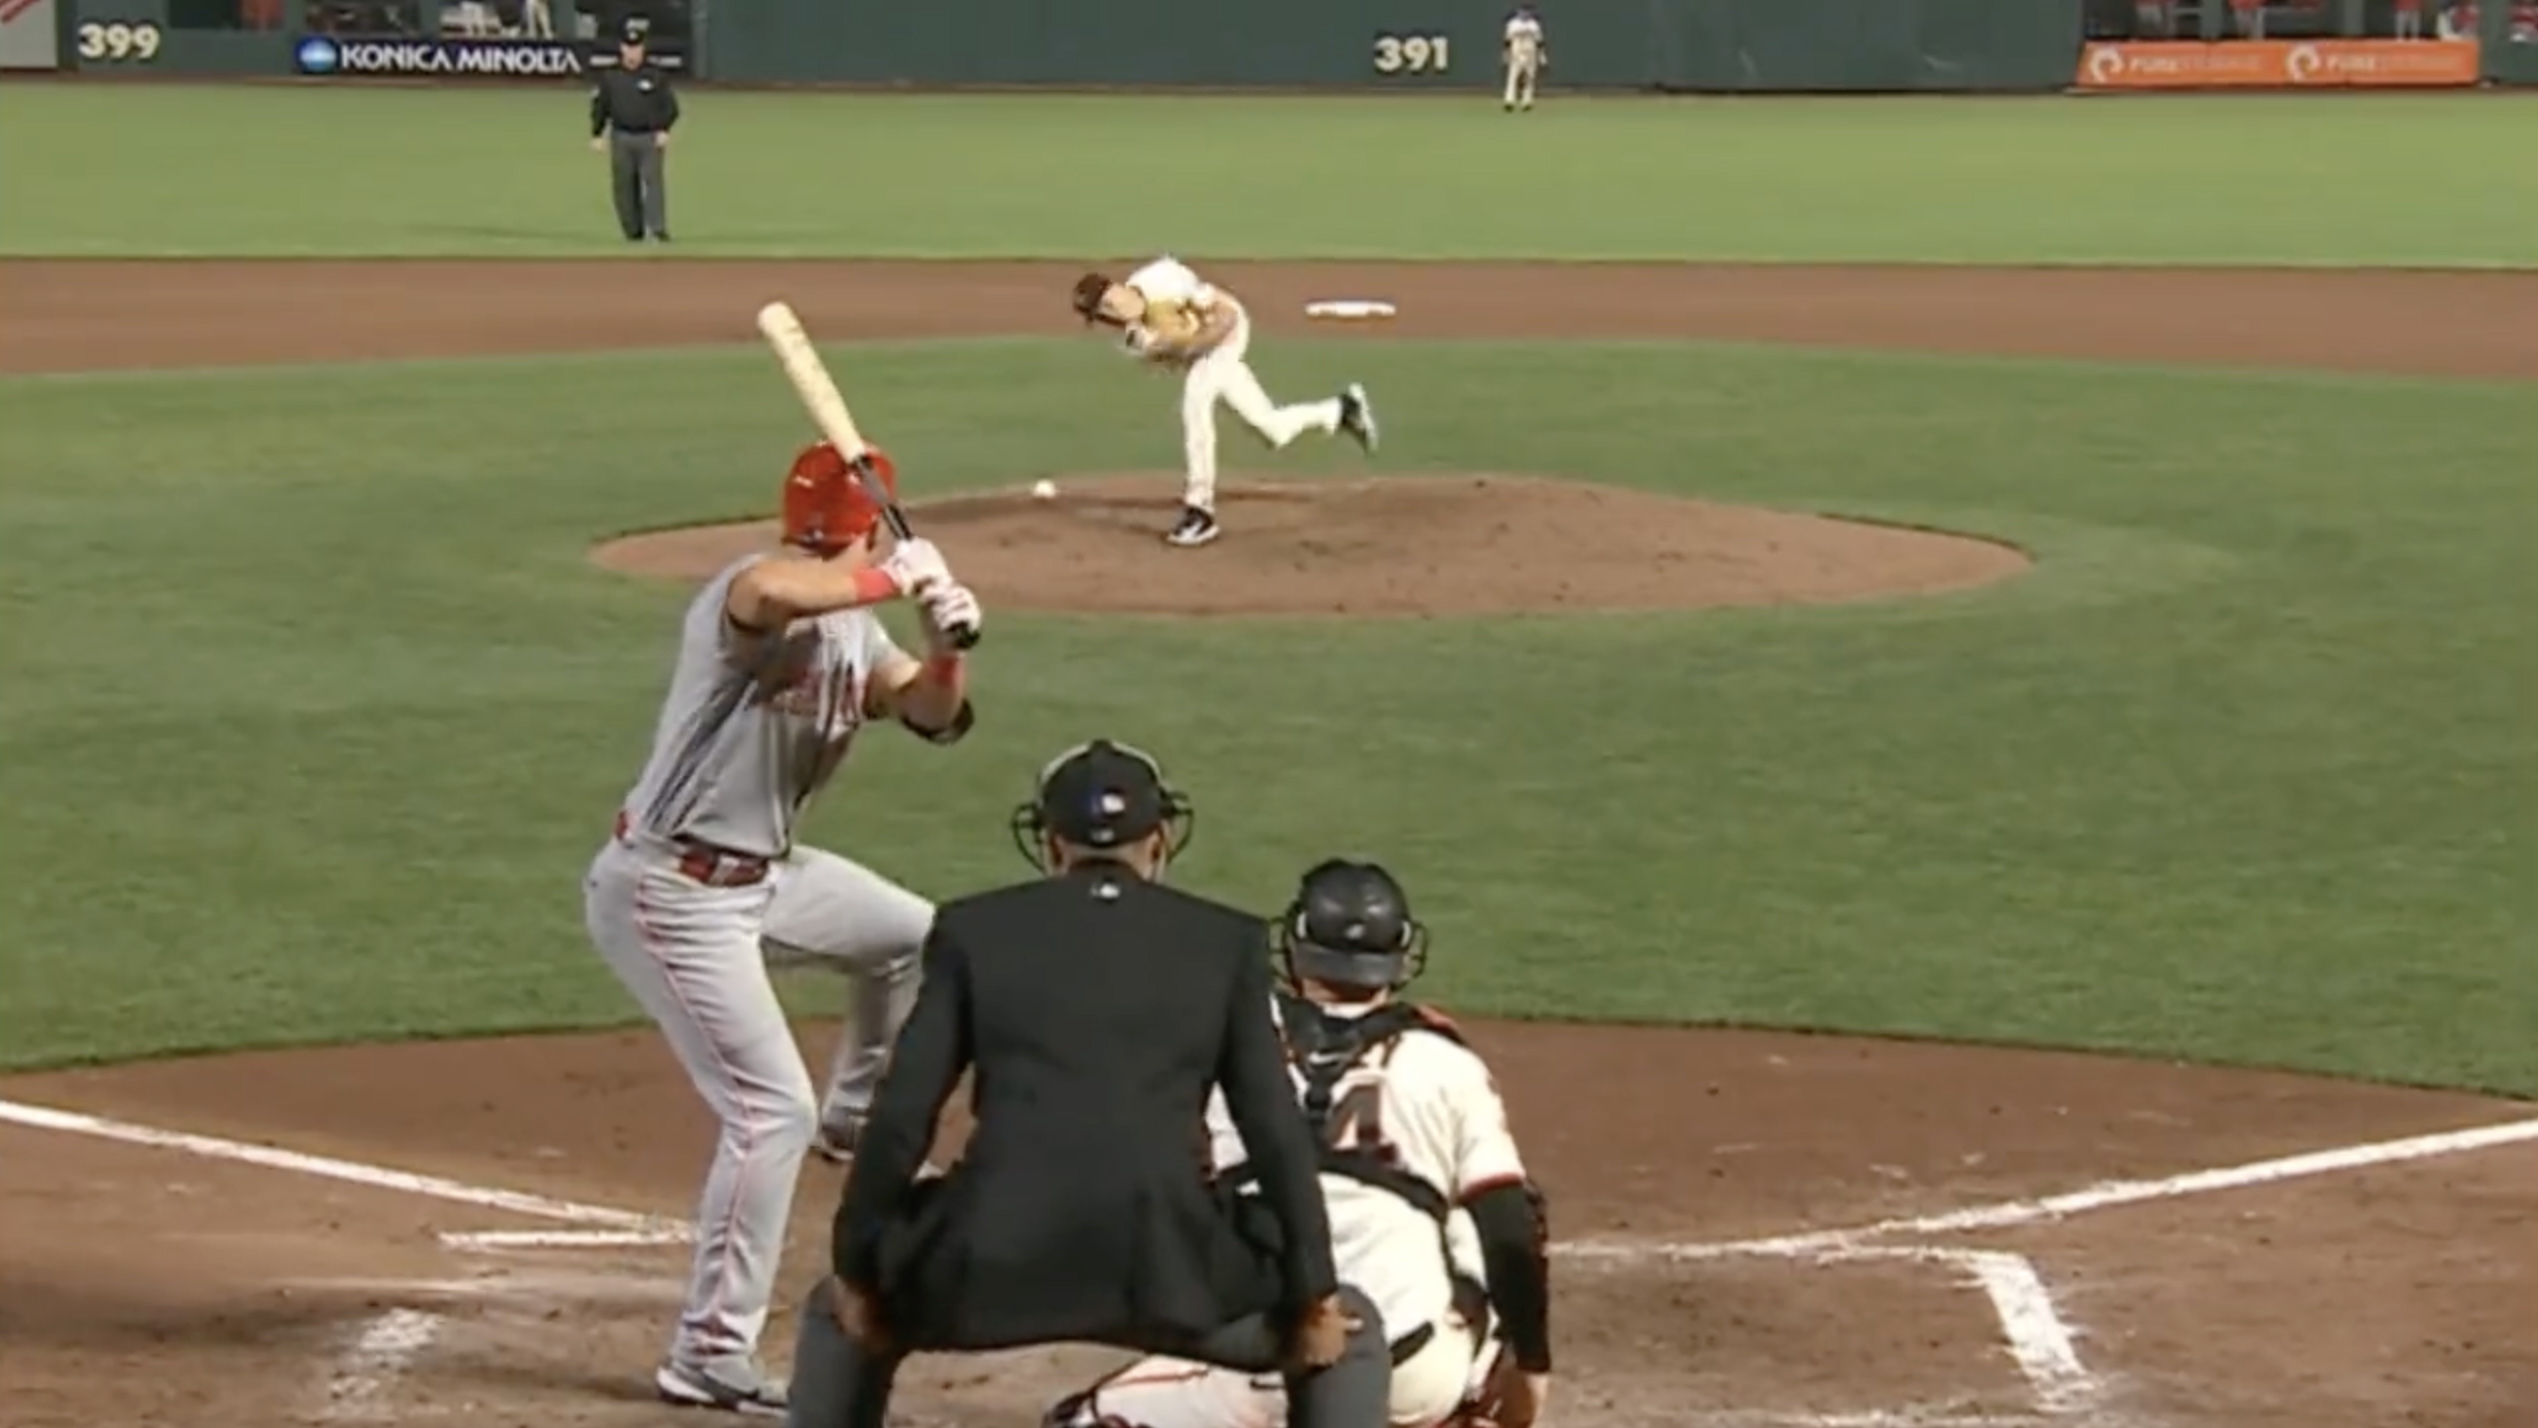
x=1429 y=1106
x=752 y=726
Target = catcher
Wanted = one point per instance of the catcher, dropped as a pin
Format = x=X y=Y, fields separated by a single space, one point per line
x=1176 y=320
x=1426 y=1191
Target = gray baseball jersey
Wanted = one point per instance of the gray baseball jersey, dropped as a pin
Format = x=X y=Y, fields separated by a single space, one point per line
x=753 y=725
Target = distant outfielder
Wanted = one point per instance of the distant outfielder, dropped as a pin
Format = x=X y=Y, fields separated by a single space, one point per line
x=1431 y=1213
x=781 y=663
x=1175 y=319
x=1524 y=53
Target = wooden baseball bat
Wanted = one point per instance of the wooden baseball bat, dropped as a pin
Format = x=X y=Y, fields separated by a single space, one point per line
x=782 y=327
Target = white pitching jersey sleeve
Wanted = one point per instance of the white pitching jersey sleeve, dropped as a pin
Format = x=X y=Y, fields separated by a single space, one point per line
x=753 y=725
x=1171 y=280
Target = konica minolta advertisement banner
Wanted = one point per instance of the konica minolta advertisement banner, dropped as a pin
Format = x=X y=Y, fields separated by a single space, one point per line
x=459 y=57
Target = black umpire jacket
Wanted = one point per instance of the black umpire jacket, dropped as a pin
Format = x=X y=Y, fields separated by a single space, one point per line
x=1096 y=1011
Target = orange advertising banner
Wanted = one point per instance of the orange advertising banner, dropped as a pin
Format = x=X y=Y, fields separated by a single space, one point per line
x=2278 y=64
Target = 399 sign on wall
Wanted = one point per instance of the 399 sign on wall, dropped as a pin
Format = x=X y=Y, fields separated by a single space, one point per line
x=112 y=42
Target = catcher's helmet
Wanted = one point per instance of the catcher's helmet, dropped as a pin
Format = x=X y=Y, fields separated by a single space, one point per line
x=1103 y=796
x=1350 y=925
x=825 y=508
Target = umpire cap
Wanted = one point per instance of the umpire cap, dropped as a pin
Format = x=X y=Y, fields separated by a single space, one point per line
x=1102 y=795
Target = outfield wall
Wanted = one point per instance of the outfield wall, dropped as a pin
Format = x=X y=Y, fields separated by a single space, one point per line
x=1709 y=46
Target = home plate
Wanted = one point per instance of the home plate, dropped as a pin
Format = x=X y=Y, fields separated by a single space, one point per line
x=1349 y=308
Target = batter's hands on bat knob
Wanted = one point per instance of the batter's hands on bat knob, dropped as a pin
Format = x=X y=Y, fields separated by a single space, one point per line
x=913 y=564
x=951 y=615
x=1321 y=1336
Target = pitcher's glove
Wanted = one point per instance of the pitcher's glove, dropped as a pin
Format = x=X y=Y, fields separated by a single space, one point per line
x=1088 y=300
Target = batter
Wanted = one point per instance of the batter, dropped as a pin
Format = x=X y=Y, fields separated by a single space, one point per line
x=1432 y=1215
x=781 y=663
x=1174 y=319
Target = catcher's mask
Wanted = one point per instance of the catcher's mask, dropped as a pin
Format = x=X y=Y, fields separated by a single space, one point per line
x=1102 y=796
x=825 y=508
x=1349 y=926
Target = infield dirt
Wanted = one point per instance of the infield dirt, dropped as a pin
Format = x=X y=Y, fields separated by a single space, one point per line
x=155 y=1286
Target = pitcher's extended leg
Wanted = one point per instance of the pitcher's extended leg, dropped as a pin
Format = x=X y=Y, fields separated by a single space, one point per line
x=1276 y=424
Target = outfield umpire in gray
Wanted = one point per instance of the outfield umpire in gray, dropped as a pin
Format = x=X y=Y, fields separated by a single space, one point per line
x=1094 y=1008
x=632 y=110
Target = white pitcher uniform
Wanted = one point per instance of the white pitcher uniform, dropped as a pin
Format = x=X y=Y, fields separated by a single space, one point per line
x=702 y=886
x=1222 y=375
x=1428 y=1104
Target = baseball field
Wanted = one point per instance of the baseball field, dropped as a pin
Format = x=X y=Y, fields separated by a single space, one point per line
x=1959 y=703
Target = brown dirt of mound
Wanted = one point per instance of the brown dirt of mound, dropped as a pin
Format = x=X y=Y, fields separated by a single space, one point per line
x=1462 y=545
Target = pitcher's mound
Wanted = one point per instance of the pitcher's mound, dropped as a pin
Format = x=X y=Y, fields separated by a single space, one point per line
x=1459 y=545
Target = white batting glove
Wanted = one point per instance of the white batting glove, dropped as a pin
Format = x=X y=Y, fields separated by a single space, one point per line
x=948 y=606
x=914 y=564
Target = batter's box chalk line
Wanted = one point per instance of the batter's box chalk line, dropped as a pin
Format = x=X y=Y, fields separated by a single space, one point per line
x=360 y=1379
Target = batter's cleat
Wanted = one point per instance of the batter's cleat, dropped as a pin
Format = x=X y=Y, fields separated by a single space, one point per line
x=1196 y=527
x=1357 y=416
x=734 y=1388
x=836 y=1142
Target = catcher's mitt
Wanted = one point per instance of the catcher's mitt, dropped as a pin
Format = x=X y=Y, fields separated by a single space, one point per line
x=1088 y=300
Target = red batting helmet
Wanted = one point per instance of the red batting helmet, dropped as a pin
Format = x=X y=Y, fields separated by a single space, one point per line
x=825 y=508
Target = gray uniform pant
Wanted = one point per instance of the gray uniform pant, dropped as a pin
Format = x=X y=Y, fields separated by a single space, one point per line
x=634 y=174
x=1354 y=1393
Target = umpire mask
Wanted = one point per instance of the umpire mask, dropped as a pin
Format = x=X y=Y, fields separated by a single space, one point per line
x=1350 y=926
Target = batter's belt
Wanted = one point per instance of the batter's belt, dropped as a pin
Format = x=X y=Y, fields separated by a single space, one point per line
x=701 y=863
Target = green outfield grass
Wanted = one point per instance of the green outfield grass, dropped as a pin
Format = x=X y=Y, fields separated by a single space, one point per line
x=2378 y=179
x=313 y=709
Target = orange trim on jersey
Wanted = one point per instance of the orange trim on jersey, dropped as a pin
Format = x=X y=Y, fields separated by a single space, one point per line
x=1478 y=1188
x=1437 y=1019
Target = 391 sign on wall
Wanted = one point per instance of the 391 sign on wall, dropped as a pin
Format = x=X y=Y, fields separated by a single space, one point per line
x=1403 y=55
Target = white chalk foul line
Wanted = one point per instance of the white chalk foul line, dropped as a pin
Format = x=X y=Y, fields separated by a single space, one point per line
x=498 y=1241
x=2103 y=1195
x=358 y=1385
x=349 y=1171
